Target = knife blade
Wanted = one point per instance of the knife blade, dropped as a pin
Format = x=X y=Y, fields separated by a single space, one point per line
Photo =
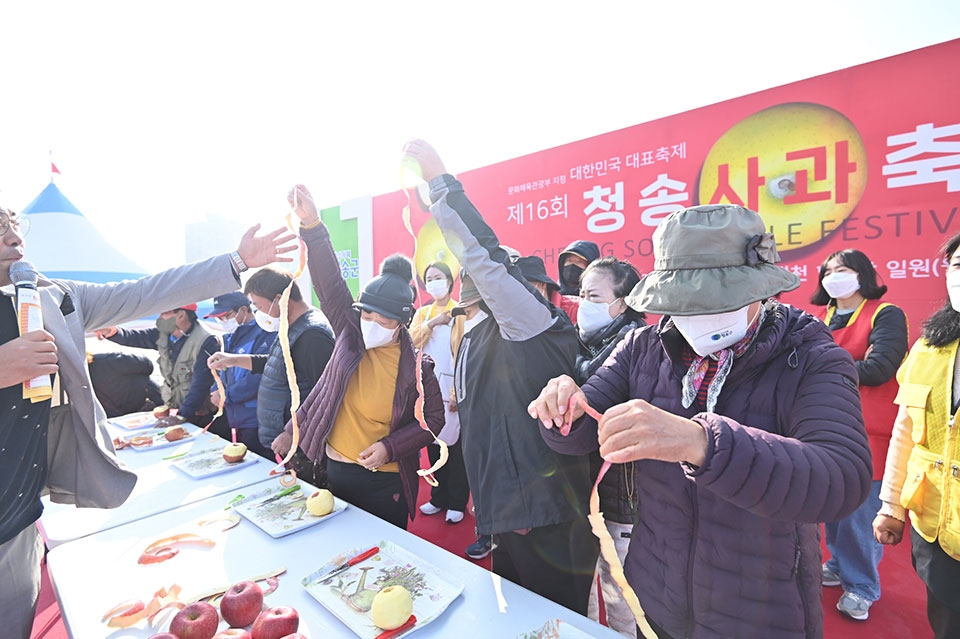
x=351 y=562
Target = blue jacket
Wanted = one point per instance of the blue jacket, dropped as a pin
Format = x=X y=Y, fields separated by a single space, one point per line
x=241 y=385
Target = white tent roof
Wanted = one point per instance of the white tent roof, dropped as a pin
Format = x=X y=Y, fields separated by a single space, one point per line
x=64 y=244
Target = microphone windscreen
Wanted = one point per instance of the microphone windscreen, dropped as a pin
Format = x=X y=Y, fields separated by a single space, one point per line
x=23 y=272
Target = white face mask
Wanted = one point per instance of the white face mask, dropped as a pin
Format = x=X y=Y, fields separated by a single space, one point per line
x=592 y=316
x=841 y=285
x=953 y=288
x=375 y=335
x=438 y=288
x=267 y=322
x=473 y=321
x=708 y=334
x=230 y=325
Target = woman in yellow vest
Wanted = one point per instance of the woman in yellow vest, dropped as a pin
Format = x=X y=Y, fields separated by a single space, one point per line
x=923 y=462
x=438 y=334
x=874 y=332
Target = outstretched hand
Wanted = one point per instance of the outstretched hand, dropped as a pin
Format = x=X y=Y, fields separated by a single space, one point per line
x=426 y=156
x=261 y=250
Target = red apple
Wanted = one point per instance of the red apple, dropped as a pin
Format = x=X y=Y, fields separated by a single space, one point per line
x=241 y=604
x=295 y=635
x=197 y=621
x=276 y=623
x=232 y=633
x=232 y=453
x=175 y=434
x=161 y=411
x=165 y=635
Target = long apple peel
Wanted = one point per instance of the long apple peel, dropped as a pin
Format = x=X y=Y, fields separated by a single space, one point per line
x=599 y=528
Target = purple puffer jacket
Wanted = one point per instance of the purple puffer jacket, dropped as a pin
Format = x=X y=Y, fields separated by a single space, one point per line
x=732 y=549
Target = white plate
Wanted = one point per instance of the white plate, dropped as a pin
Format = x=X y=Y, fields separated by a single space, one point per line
x=286 y=515
x=210 y=462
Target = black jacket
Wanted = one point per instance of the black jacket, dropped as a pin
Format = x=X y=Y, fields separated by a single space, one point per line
x=617 y=491
x=588 y=251
x=122 y=383
x=503 y=363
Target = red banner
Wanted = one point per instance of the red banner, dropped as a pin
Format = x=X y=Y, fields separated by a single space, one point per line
x=867 y=158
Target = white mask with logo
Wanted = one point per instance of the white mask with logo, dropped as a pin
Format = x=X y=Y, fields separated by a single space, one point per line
x=592 y=316
x=267 y=322
x=840 y=286
x=953 y=289
x=473 y=321
x=437 y=288
x=708 y=334
x=375 y=335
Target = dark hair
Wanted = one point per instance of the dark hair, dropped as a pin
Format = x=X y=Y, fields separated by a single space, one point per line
x=625 y=277
x=943 y=327
x=271 y=281
x=443 y=268
x=190 y=314
x=857 y=261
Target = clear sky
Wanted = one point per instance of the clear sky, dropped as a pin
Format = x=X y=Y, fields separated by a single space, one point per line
x=159 y=114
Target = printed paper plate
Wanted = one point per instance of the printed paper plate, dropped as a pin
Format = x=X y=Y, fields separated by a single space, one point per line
x=210 y=462
x=349 y=594
x=282 y=516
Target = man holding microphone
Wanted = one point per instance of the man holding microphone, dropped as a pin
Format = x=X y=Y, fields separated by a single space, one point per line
x=56 y=444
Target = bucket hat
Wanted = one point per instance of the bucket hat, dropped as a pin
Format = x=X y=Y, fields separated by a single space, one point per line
x=711 y=259
x=533 y=270
x=468 y=291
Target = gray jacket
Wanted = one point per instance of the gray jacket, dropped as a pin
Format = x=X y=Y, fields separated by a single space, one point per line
x=83 y=468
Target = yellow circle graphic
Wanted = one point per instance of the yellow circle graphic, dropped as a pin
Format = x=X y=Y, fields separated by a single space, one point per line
x=432 y=248
x=801 y=166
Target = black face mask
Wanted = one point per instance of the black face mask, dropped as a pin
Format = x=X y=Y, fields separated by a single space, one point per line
x=571 y=275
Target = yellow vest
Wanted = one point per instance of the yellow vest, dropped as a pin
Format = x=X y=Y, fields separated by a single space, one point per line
x=931 y=491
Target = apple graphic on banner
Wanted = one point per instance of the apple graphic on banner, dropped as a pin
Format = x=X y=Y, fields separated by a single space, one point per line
x=175 y=433
x=197 y=621
x=233 y=453
x=391 y=607
x=232 y=633
x=276 y=623
x=801 y=166
x=320 y=503
x=242 y=603
x=431 y=247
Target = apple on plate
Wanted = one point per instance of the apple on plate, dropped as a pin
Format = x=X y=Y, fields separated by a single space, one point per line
x=232 y=633
x=241 y=604
x=320 y=503
x=233 y=453
x=197 y=621
x=276 y=623
x=391 y=607
x=161 y=411
x=175 y=433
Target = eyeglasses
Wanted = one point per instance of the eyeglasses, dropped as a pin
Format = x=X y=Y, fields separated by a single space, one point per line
x=21 y=225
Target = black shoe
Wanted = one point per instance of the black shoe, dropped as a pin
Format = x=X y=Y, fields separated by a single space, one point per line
x=482 y=547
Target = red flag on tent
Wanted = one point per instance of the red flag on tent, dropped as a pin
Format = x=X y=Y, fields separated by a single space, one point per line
x=54 y=169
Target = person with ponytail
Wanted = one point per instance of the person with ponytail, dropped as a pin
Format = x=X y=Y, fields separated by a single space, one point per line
x=922 y=473
x=359 y=419
x=874 y=332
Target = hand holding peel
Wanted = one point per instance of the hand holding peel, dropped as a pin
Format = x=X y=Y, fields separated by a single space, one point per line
x=555 y=406
x=426 y=157
x=374 y=457
x=637 y=430
x=301 y=201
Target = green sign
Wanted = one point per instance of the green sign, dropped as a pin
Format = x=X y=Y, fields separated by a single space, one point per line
x=343 y=236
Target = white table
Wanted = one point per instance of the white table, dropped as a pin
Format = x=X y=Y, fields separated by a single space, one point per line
x=160 y=487
x=246 y=551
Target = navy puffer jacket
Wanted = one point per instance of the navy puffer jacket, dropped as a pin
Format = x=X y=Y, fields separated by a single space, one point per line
x=731 y=549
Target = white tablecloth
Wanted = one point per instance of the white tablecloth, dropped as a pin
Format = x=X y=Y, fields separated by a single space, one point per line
x=93 y=574
x=160 y=487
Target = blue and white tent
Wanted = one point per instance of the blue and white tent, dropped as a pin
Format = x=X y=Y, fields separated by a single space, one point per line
x=63 y=244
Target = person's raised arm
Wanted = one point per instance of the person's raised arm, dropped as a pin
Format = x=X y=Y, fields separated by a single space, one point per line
x=518 y=310
x=336 y=301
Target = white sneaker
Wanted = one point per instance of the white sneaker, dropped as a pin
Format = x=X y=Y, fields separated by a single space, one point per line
x=854 y=606
x=429 y=509
x=454 y=516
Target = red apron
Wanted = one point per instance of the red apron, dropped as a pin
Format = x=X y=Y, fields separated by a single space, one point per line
x=879 y=411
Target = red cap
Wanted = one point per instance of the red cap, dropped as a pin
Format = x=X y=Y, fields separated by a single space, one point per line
x=187 y=307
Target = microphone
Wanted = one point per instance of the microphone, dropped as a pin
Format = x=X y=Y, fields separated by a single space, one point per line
x=30 y=318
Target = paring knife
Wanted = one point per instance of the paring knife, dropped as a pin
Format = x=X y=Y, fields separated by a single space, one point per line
x=352 y=562
x=411 y=622
x=282 y=493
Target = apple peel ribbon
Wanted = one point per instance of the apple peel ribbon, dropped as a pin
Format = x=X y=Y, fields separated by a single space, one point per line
x=290 y=476
x=211 y=596
x=599 y=527
x=132 y=612
x=221 y=391
x=162 y=549
x=427 y=474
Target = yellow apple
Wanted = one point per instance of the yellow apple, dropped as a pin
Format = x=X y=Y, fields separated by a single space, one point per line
x=802 y=199
x=391 y=607
x=320 y=503
x=233 y=453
